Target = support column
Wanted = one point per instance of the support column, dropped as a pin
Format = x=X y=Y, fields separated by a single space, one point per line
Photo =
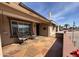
x=50 y=31
x=34 y=28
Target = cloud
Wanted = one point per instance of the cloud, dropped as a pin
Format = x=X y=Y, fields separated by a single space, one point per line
x=67 y=9
x=61 y=18
x=58 y=18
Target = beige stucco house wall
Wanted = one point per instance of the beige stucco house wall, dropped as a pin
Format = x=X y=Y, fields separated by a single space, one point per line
x=43 y=30
x=52 y=30
x=6 y=32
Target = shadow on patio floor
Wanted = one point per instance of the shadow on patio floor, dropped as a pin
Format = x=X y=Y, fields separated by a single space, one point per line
x=57 y=49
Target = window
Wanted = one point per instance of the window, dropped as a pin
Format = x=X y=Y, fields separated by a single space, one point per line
x=23 y=29
x=20 y=29
x=14 y=28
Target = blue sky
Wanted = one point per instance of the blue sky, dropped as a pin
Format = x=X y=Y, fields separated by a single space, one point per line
x=62 y=12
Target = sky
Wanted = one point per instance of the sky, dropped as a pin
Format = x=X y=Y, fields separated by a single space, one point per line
x=62 y=12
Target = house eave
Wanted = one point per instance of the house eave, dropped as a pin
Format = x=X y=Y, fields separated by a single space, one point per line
x=26 y=11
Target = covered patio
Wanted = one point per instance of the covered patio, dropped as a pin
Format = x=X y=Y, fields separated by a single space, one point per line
x=30 y=48
x=20 y=20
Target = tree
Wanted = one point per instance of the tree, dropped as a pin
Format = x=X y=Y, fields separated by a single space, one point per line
x=66 y=26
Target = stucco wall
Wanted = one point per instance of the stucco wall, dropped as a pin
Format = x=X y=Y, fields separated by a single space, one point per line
x=51 y=30
x=6 y=32
x=54 y=31
x=43 y=30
